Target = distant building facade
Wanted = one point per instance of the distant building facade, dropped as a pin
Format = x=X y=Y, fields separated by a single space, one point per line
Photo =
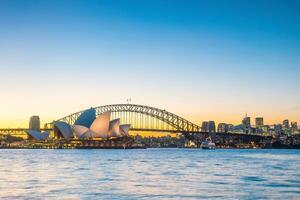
x=286 y=124
x=246 y=121
x=34 y=123
x=265 y=128
x=211 y=127
x=230 y=127
x=278 y=128
x=294 y=126
x=259 y=122
x=223 y=128
x=208 y=126
x=204 y=126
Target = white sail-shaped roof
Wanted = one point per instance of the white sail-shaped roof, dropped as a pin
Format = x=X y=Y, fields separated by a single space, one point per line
x=101 y=125
x=114 y=128
x=86 y=118
x=65 y=129
x=124 y=129
x=35 y=134
x=45 y=135
x=79 y=130
x=89 y=134
x=38 y=135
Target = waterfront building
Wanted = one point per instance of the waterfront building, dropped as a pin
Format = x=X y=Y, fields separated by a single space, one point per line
x=286 y=124
x=124 y=129
x=230 y=127
x=34 y=123
x=222 y=127
x=62 y=130
x=238 y=129
x=255 y=130
x=87 y=126
x=278 y=129
x=33 y=134
x=265 y=129
x=259 y=122
x=86 y=118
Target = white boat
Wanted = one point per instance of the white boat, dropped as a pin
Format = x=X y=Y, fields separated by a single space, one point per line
x=207 y=144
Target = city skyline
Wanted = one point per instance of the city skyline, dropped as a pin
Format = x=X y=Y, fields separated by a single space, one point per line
x=149 y=99
x=253 y=121
x=201 y=60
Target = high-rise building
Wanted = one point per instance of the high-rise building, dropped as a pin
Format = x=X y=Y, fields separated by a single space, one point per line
x=208 y=126
x=294 y=126
x=278 y=128
x=246 y=121
x=34 y=123
x=211 y=127
x=204 y=126
x=223 y=127
x=286 y=123
x=259 y=122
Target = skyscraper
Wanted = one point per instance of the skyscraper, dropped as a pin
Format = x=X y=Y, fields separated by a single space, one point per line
x=286 y=123
x=294 y=126
x=208 y=126
x=259 y=121
x=223 y=127
x=278 y=128
x=34 y=123
x=204 y=126
x=246 y=121
x=211 y=127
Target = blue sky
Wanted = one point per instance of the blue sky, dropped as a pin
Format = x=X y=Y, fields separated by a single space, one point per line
x=200 y=59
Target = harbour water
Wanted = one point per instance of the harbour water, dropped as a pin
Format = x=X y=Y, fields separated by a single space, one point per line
x=150 y=174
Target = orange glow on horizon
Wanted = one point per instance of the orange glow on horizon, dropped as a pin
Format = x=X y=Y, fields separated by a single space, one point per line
x=197 y=119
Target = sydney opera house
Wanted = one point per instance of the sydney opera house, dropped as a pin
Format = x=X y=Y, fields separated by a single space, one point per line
x=86 y=127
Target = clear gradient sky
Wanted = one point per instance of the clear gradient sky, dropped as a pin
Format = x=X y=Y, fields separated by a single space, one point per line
x=203 y=60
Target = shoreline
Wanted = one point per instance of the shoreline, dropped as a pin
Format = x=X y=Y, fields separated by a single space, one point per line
x=37 y=148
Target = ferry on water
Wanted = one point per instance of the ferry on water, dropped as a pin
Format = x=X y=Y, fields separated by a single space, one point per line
x=208 y=144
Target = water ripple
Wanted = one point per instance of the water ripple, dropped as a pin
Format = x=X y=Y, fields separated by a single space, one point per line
x=149 y=174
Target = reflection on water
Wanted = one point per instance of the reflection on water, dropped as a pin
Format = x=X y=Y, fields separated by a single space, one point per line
x=150 y=173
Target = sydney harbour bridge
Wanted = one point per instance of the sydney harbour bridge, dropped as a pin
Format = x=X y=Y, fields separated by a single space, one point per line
x=141 y=118
x=144 y=118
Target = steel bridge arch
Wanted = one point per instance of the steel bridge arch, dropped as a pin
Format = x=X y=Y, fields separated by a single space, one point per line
x=178 y=123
